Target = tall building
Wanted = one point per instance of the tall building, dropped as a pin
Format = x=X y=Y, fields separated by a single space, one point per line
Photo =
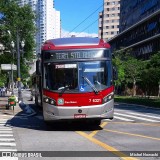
x=47 y=22
x=139 y=28
x=109 y=19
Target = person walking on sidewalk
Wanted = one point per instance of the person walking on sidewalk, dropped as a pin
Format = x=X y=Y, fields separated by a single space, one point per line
x=0 y=91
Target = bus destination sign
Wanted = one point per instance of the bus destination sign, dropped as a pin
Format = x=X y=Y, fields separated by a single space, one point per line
x=81 y=54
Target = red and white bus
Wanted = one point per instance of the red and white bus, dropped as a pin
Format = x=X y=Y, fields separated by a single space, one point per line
x=76 y=80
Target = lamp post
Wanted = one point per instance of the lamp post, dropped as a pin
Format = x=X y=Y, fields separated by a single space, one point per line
x=18 y=67
x=12 y=45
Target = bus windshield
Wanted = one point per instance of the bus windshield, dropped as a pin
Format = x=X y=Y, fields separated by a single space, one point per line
x=71 y=77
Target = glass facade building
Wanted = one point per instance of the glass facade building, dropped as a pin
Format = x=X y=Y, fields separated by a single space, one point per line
x=139 y=28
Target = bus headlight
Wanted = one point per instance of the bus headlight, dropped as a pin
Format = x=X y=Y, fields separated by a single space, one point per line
x=108 y=98
x=49 y=101
x=46 y=100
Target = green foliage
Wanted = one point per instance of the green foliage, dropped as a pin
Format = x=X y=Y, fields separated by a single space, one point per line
x=19 y=21
x=138 y=100
x=133 y=72
x=150 y=77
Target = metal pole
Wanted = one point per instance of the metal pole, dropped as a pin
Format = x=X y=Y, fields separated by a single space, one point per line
x=18 y=70
x=12 y=79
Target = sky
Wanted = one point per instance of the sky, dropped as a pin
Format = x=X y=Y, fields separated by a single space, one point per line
x=79 y=17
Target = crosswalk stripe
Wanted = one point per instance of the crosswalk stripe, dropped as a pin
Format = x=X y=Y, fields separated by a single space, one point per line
x=141 y=118
x=5 y=129
x=7 y=144
x=5 y=132
x=6 y=135
x=7 y=149
x=7 y=139
x=4 y=122
x=4 y=119
x=144 y=115
x=124 y=119
x=3 y=115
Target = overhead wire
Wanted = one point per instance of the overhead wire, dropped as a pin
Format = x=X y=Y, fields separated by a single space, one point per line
x=87 y=18
x=95 y=20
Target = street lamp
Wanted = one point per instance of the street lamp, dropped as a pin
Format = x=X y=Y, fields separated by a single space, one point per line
x=12 y=45
x=18 y=67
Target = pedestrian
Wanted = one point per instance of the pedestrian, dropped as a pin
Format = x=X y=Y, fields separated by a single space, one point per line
x=0 y=91
x=3 y=91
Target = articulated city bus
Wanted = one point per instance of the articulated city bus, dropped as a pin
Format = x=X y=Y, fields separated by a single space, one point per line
x=75 y=80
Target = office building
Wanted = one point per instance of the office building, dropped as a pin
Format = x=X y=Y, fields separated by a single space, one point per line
x=109 y=19
x=139 y=28
x=47 y=23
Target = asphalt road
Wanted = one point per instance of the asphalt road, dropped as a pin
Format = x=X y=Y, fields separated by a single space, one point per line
x=134 y=133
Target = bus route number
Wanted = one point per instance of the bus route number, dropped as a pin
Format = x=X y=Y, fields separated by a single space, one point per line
x=95 y=100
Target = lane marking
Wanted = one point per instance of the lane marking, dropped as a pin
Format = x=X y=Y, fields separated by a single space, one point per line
x=145 y=119
x=124 y=119
x=145 y=115
x=96 y=131
x=107 y=147
x=146 y=124
x=5 y=132
x=131 y=134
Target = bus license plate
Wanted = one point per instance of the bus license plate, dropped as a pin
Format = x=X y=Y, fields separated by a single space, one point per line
x=79 y=115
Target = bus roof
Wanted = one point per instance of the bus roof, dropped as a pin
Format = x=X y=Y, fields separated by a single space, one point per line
x=74 y=43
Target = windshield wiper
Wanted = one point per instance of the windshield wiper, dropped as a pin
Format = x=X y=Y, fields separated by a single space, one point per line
x=63 y=89
x=91 y=85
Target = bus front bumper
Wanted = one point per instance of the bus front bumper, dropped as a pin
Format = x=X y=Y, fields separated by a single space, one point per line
x=103 y=111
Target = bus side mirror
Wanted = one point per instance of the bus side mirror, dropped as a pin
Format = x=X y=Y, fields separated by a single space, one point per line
x=115 y=73
x=38 y=67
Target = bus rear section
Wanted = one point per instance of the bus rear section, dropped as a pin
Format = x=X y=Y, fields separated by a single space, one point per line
x=77 y=80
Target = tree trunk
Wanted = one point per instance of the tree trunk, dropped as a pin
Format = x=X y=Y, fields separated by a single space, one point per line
x=159 y=91
x=134 y=87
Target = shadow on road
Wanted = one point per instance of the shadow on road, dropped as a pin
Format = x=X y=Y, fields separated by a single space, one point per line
x=36 y=122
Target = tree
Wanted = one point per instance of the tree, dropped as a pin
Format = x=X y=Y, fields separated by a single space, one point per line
x=152 y=72
x=129 y=69
x=117 y=61
x=19 y=21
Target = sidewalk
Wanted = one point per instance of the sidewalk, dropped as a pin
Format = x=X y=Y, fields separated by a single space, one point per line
x=4 y=102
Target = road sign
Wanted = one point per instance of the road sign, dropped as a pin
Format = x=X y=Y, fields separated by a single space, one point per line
x=8 y=67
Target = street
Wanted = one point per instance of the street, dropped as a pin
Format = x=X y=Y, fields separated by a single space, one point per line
x=133 y=129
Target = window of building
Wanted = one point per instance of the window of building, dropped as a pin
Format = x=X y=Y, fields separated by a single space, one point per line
x=113 y=3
